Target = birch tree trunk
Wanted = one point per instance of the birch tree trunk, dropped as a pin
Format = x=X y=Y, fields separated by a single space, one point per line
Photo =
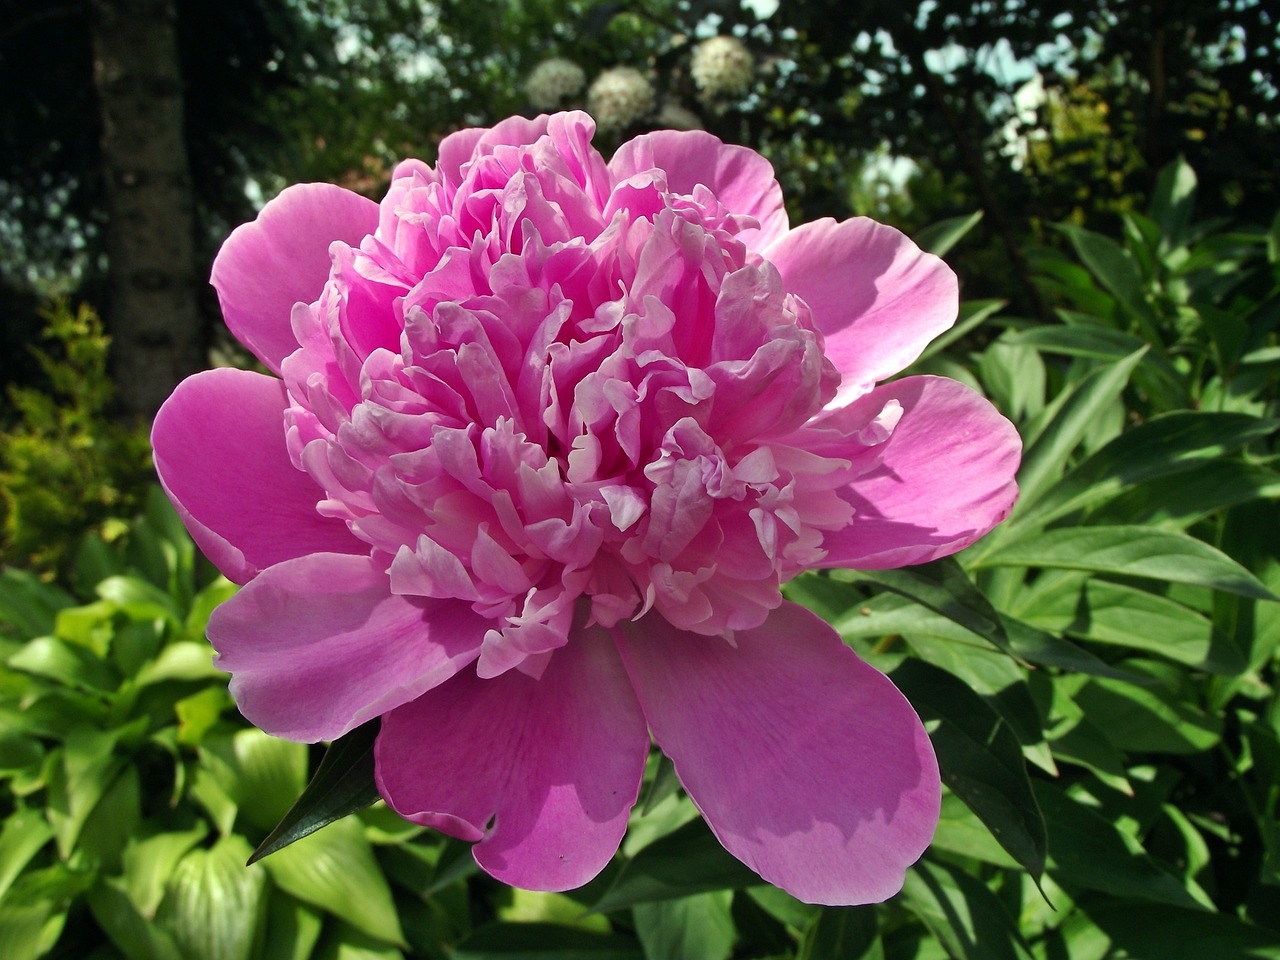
x=153 y=311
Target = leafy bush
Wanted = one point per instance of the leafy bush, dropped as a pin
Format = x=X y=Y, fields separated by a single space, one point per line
x=1098 y=676
x=65 y=467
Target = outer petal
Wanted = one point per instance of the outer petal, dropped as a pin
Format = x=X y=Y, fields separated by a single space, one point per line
x=877 y=297
x=318 y=645
x=220 y=452
x=740 y=178
x=282 y=258
x=945 y=478
x=807 y=763
x=554 y=762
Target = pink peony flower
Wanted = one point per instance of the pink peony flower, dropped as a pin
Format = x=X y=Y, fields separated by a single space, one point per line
x=546 y=436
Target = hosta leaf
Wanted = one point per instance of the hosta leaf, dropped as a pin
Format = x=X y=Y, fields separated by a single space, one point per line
x=1131 y=552
x=980 y=759
x=335 y=870
x=214 y=907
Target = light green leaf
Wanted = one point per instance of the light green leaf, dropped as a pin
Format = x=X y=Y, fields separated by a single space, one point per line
x=214 y=906
x=1046 y=458
x=180 y=661
x=24 y=833
x=65 y=663
x=1116 y=614
x=1151 y=718
x=149 y=863
x=292 y=929
x=1173 y=200
x=334 y=869
x=76 y=784
x=1129 y=551
x=29 y=931
x=696 y=926
x=938 y=238
x=135 y=935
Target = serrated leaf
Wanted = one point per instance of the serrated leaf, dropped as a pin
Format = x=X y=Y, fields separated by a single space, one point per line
x=335 y=870
x=1130 y=551
x=343 y=784
x=690 y=860
x=980 y=759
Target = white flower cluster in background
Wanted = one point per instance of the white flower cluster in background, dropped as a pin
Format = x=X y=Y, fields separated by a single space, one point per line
x=554 y=81
x=721 y=67
x=619 y=97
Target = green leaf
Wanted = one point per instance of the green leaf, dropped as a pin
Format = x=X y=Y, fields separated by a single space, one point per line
x=943 y=587
x=1164 y=446
x=1173 y=200
x=544 y=941
x=29 y=931
x=29 y=605
x=136 y=936
x=980 y=759
x=962 y=913
x=137 y=598
x=179 y=661
x=938 y=238
x=1145 y=931
x=1121 y=615
x=1046 y=458
x=24 y=833
x=1130 y=551
x=842 y=933
x=1181 y=500
x=688 y=861
x=1151 y=718
x=342 y=785
x=972 y=314
x=1087 y=853
x=214 y=907
x=698 y=926
x=292 y=929
x=88 y=766
x=335 y=870
x=1113 y=266
x=151 y=861
x=65 y=663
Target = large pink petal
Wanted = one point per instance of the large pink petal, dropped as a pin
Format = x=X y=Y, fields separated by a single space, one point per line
x=220 y=452
x=807 y=763
x=946 y=475
x=282 y=258
x=555 y=764
x=877 y=297
x=740 y=178
x=318 y=645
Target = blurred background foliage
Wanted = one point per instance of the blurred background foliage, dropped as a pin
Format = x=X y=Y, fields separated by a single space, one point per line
x=1099 y=675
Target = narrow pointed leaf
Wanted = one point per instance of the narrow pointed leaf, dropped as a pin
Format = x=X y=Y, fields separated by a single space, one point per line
x=342 y=785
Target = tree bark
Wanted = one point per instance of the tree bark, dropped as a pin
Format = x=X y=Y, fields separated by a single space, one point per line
x=153 y=309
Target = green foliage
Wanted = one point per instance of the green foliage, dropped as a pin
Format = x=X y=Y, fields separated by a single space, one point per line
x=1099 y=677
x=65 y=467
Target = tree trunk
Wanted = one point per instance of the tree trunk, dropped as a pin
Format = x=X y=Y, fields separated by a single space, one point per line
x=153 y=311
